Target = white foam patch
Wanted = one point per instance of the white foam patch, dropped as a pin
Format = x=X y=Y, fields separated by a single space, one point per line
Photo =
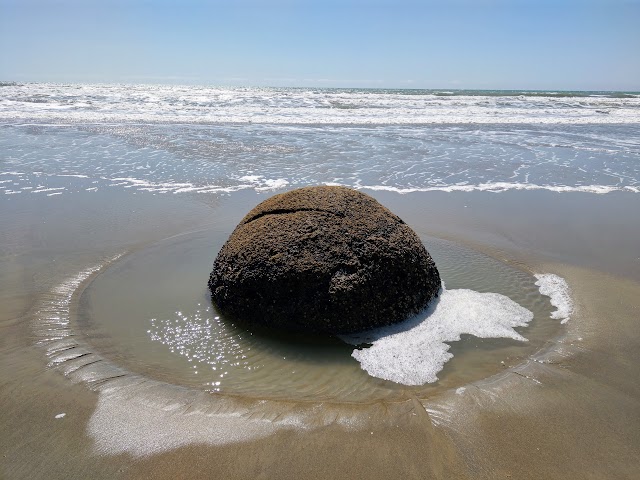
x=497 y=187
x=121 y=104
x=557 y=289
x=250 y=178
x=43 y=189
x=413 y=352
x=260 y=183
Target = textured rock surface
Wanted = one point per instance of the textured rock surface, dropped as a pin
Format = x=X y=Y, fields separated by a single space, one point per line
x=323 y=259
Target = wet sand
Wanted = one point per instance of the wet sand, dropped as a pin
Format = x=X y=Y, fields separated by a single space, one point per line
x=572 y=410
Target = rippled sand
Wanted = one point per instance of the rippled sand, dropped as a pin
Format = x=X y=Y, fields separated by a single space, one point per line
x=568 y=408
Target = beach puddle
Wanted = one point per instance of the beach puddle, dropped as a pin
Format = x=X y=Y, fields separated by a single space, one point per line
x=150 y=313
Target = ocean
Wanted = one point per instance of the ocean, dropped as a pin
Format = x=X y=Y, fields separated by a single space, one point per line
x=57 y=139
x=115 y=199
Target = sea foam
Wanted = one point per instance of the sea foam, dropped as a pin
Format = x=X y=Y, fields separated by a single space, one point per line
x=414 y=351
x=120 y=104
x=557 y=289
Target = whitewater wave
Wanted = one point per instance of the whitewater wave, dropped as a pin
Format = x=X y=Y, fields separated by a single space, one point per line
x=219 y=105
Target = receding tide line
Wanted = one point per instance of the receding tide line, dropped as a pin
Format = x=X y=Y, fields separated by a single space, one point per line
x=415 y=351
x=498 y=187
x=141 y=416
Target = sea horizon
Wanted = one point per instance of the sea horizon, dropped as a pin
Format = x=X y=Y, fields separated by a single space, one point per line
x=380 y=89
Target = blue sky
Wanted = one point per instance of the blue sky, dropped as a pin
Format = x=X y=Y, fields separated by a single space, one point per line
x=519 y=44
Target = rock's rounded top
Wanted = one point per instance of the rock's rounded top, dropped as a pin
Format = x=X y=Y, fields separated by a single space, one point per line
x=340 y=201
x=323 y=259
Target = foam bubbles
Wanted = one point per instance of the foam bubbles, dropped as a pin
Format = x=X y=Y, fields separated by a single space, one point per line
x=166 y=158
x=260 y=183
x=504 y=187
x=557 y=289
x=118 y=104
x=413 y=352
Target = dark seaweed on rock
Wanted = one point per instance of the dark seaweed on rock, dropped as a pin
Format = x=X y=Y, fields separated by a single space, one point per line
x=322 y=260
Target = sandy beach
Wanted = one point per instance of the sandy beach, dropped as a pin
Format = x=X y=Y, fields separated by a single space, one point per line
x=568 y=410
x=163 y=317
x=138 y=340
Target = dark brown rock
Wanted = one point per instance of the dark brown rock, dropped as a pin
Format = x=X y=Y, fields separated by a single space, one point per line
x=323 y=259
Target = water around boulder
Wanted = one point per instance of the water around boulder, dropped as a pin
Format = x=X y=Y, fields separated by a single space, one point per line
x=322 y=260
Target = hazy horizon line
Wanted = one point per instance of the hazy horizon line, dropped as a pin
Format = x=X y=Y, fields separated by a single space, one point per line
x=4 y=82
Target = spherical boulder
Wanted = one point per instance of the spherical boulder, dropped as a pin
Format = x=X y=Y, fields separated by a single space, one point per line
x=322 y=260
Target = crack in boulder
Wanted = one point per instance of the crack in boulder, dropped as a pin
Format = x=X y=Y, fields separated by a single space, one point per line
x=284 y=211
